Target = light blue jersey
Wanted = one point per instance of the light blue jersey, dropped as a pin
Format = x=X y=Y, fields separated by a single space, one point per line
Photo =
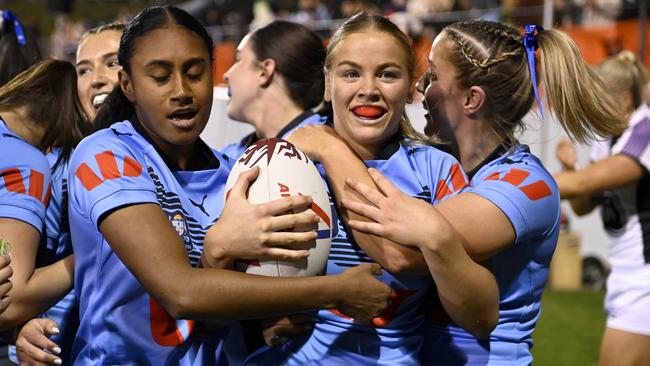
x=306 y=118
x=58 y=246
x=24 y=180
x=393 y=338
x=120 y=324
x=517 y=183
x=25 y=189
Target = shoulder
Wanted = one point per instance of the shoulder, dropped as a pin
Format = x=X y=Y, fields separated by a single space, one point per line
x=636 y=139
x=119 y=139
x=433 y=157
x=18 y=152
x=515 y=167
x=522 y=188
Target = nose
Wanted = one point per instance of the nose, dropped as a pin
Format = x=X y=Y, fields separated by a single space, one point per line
x=226 y=75
x=423 y=82
x=98 y=77
x=181 y=91
x=368 y=89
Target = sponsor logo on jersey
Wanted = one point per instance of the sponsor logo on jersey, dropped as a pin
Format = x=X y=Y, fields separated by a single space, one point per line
x=13 y=181
x=108 y=168
x=534 y=191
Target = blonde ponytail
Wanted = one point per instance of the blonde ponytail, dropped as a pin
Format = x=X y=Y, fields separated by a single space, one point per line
x=574 y=92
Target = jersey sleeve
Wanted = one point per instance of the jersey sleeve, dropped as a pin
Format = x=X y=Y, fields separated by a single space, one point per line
x=637 y=144
x=445 y=176
x=526 y=194
x=24 y=185
x=105 y=174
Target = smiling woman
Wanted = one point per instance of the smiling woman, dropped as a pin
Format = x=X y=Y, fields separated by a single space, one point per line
x=97 y=66
x=368 y=96
x=135 y=189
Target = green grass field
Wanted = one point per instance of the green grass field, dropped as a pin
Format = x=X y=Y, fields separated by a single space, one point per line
x=570 y=328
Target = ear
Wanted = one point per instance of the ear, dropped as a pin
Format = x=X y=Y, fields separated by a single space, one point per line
x=327 y=96
x=474 y=100
x=127 y=85
x=267 y=70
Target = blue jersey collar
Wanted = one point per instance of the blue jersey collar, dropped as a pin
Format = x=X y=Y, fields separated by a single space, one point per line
x=211 y=162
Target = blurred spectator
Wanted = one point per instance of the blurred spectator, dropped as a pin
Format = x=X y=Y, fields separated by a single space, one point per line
x=18 y=50
x=310 y=11
x=589 y=13
x=426 y=7
x=348 y=8
x=65 y=37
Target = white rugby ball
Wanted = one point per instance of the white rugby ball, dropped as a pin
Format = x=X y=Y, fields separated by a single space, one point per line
x=286 y=171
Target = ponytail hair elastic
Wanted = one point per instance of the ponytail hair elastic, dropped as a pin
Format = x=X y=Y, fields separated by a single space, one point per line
x=8 y=17
x=531 y=31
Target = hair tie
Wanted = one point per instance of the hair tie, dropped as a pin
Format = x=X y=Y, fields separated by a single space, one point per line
x=531 y=31
x=9 y=17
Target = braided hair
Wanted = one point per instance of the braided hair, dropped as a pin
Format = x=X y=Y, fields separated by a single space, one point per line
x=492 y=56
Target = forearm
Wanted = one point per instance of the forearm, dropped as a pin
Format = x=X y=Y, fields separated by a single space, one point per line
x=216 y=294
x=571 y=184
x=575 y=188
x=44 y=288
x=467 y=290
x=342 y=164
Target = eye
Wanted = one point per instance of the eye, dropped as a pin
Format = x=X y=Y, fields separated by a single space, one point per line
x=350 y=74
x=160 y=78
x=194 y=76
x=83 y=71
x=389 y=75
x=113 y=63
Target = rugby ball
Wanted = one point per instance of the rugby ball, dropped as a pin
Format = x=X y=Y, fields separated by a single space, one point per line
x=286 y=171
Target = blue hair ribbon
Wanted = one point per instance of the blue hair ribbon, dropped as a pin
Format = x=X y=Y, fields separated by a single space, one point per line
x=10 y=17
x=530 y=42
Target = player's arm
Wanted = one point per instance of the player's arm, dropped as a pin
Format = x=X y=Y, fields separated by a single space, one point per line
x=467 y=290
x=156 y=255
x=33 y=290
x=567 y=155
x=612 y=172
x=340 y=162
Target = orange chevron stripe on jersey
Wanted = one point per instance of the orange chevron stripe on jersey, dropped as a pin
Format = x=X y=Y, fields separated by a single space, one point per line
x=48 y=195
x=534 y=191
x=165 y=330
x=108 y=168
x=107 y=165
x=14 y=182
x=36 y=185
x=457 y=180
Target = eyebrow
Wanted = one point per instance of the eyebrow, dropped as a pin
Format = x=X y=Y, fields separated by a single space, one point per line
x=103 y=57
x=167 y=64
x=382 y=66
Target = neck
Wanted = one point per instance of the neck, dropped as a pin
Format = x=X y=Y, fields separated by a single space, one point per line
x=275 y=115
x=184 y=157
x=475 y=143
x=18 y=121
x=364 y=152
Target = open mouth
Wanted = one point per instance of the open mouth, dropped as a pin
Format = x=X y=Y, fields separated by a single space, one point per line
x=368 y=112
x=99 y=99
x=182 y=114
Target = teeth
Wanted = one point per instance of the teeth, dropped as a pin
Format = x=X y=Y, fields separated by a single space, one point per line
x=98 y=100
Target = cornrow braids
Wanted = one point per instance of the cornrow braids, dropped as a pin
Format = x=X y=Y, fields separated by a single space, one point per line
x=491 y=55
